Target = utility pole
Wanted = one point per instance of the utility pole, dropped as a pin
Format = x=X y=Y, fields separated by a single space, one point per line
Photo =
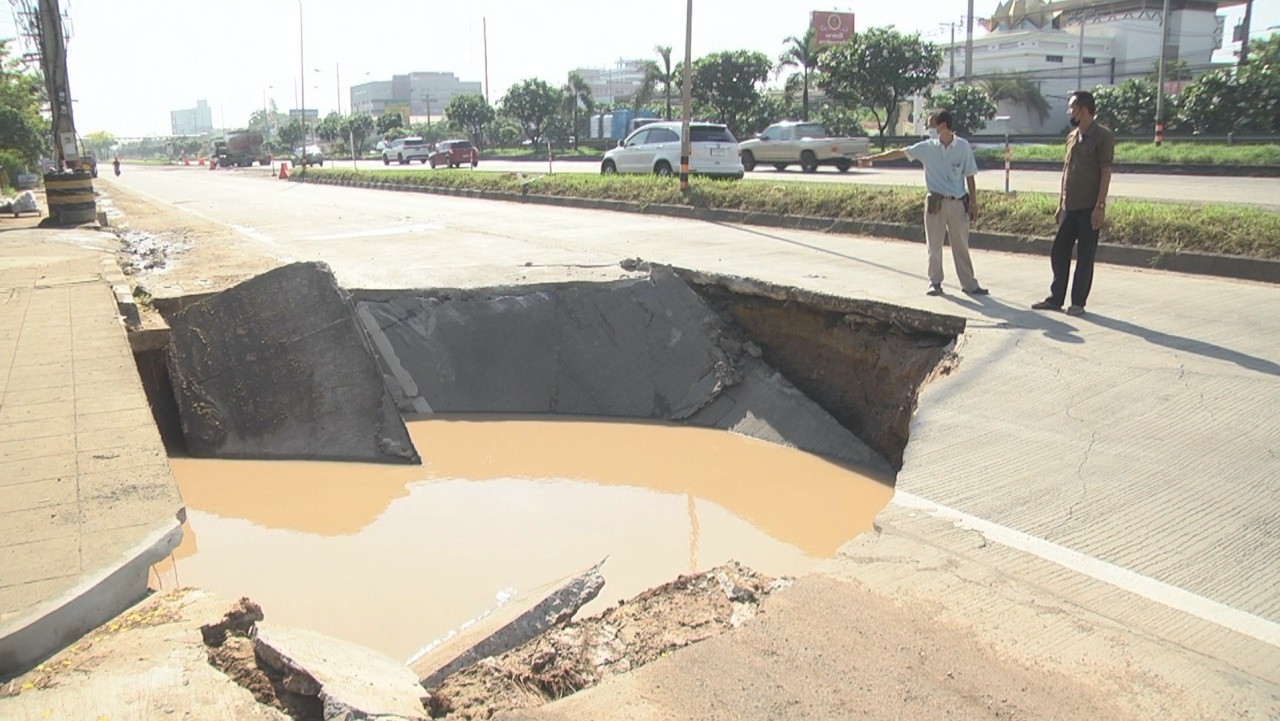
x=302 y=81
x=1080 y=57
x=968 y=45
x=53 y=59
x=686 y=98
x=337 y=84
x=951 y=75
x=1244 y=39
x=1164 y=42
x=484 y=28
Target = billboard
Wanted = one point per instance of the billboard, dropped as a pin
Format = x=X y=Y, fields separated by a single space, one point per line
x=312 y=114
x=832 y=28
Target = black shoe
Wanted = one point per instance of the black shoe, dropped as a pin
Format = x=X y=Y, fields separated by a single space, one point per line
x=978 y=291
x=934 y=289
x=1046 y=305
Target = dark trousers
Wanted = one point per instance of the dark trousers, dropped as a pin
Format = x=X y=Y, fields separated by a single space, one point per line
x=1077 y=232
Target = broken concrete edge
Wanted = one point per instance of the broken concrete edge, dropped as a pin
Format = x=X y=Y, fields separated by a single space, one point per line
x=558 y=607
x=909 y=319
x=126 y=306
x=99 y=596
x=1223 y=266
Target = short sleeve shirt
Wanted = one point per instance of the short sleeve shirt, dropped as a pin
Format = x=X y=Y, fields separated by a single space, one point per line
x=1087 y=154
x=945 y=166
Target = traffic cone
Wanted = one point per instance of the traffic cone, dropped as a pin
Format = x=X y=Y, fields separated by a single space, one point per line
x=284 y=170
x=201 y=160
x=213 y=163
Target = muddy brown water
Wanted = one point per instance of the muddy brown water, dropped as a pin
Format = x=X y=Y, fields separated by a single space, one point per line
x=394 y=557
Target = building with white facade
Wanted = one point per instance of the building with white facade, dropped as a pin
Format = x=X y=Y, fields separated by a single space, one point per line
x=192 y=121
x=426 y=93
x=615 y=84
x=1072 y=44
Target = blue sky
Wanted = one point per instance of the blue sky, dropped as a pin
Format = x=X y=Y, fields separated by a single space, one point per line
x=132 y=61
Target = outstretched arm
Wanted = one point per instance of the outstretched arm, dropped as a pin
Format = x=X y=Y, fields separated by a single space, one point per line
x=866 y=160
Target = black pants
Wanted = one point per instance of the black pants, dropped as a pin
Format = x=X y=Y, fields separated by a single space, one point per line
x=1077 y=227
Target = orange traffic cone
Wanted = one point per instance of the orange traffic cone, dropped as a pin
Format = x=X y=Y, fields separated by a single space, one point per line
x=201 y=160
x=213 y=163
x=284 y=170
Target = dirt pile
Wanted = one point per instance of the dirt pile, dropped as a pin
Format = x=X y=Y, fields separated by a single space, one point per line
x=581 y=654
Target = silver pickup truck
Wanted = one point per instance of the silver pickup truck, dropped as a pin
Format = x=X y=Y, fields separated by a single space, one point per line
x=806 y=144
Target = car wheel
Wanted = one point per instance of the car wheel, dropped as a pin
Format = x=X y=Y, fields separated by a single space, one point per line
x=748 y=161
x=780 y=167
x=400 y=159
x=608 y=168
x=843 y=165
x=662 y=169
x=808 y=162
x=386 y=160
x=433 y=163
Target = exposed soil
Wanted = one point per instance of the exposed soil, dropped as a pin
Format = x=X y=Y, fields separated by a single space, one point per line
x=581 y=654
x=231 y=650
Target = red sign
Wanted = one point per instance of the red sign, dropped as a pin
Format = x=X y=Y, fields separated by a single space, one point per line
x=832 y=28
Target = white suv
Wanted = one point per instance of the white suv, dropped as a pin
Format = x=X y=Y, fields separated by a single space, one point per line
x=403 y=150
x=655 y=148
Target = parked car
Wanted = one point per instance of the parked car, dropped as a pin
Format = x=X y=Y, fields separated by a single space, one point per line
x=405 y=151
x=806 y=144
x=455 y=154
x=314 y=156
x=655 y=148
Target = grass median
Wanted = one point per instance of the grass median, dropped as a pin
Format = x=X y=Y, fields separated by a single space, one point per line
x=1169 y=227
x=1166 y=154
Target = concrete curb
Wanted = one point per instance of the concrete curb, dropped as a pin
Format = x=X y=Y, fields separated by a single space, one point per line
x=1202 y=169
x=1224 y=266
x=97 y=598
x=125 y=303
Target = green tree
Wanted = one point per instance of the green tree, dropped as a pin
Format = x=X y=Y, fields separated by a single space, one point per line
x=1259 y=78
x=532 y=103
x=291 y=134
x=840 y=120
x=1129 y=107
x=23 y=130
x=1214 y=103
x=970 y=108
x=729 y=84
x=803 y=52
x=100 y=143
x=471 y=112
x=577 y=96
x=388 y=121
x=1018 y=89
x=877 y=70
x=666 y=75
x=359 y=128
x=330 y=128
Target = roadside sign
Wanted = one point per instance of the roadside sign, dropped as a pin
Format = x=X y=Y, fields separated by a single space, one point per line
x=832 y=28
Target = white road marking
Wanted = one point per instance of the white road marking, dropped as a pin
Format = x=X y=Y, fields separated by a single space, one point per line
x=1242 y=622
x=379 y=232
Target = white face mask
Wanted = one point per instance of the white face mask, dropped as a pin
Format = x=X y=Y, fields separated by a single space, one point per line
x=933 y=133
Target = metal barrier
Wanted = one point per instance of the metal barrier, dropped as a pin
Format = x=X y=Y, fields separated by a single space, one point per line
x=69 y=195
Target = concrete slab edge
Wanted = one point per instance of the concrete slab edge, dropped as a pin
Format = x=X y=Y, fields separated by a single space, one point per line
x=96 y=598
x=126 y=306
x=1223 y=266
x=1242 y=622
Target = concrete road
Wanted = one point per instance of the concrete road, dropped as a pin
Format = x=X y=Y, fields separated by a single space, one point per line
x=1125 y=445
x=1263 y=192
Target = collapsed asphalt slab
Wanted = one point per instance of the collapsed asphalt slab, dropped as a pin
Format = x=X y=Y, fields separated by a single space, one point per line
x=647 y=348
x=277 y=367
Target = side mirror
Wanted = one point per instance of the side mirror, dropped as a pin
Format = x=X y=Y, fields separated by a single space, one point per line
x=622 y=143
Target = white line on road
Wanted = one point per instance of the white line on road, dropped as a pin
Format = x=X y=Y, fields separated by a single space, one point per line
x=1242 y=622
x=378 y=232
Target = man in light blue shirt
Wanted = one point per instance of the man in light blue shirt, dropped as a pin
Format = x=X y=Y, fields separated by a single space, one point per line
x=952 y=200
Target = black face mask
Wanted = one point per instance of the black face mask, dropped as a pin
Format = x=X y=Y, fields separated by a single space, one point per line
x=1075 y=122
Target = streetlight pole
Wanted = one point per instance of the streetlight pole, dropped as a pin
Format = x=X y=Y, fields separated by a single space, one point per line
x=968 y=46
x=302 y=76
x=1164 y=41
x=687 y=98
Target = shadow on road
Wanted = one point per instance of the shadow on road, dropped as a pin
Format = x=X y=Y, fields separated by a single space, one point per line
x=1011 y=317
x=819 y=249
x=1190 y=345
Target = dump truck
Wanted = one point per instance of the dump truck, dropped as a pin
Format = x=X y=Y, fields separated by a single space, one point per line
x=240 y=150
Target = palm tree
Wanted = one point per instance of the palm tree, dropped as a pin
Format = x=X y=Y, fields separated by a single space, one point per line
x=802 y=53
x=665 y=74
x=1018 y=89
x=577 y=93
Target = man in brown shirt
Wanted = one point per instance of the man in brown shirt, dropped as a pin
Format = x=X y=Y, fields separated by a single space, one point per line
x=1082 y=204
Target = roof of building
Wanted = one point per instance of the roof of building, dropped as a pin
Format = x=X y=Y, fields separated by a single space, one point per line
x=1013 y=13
